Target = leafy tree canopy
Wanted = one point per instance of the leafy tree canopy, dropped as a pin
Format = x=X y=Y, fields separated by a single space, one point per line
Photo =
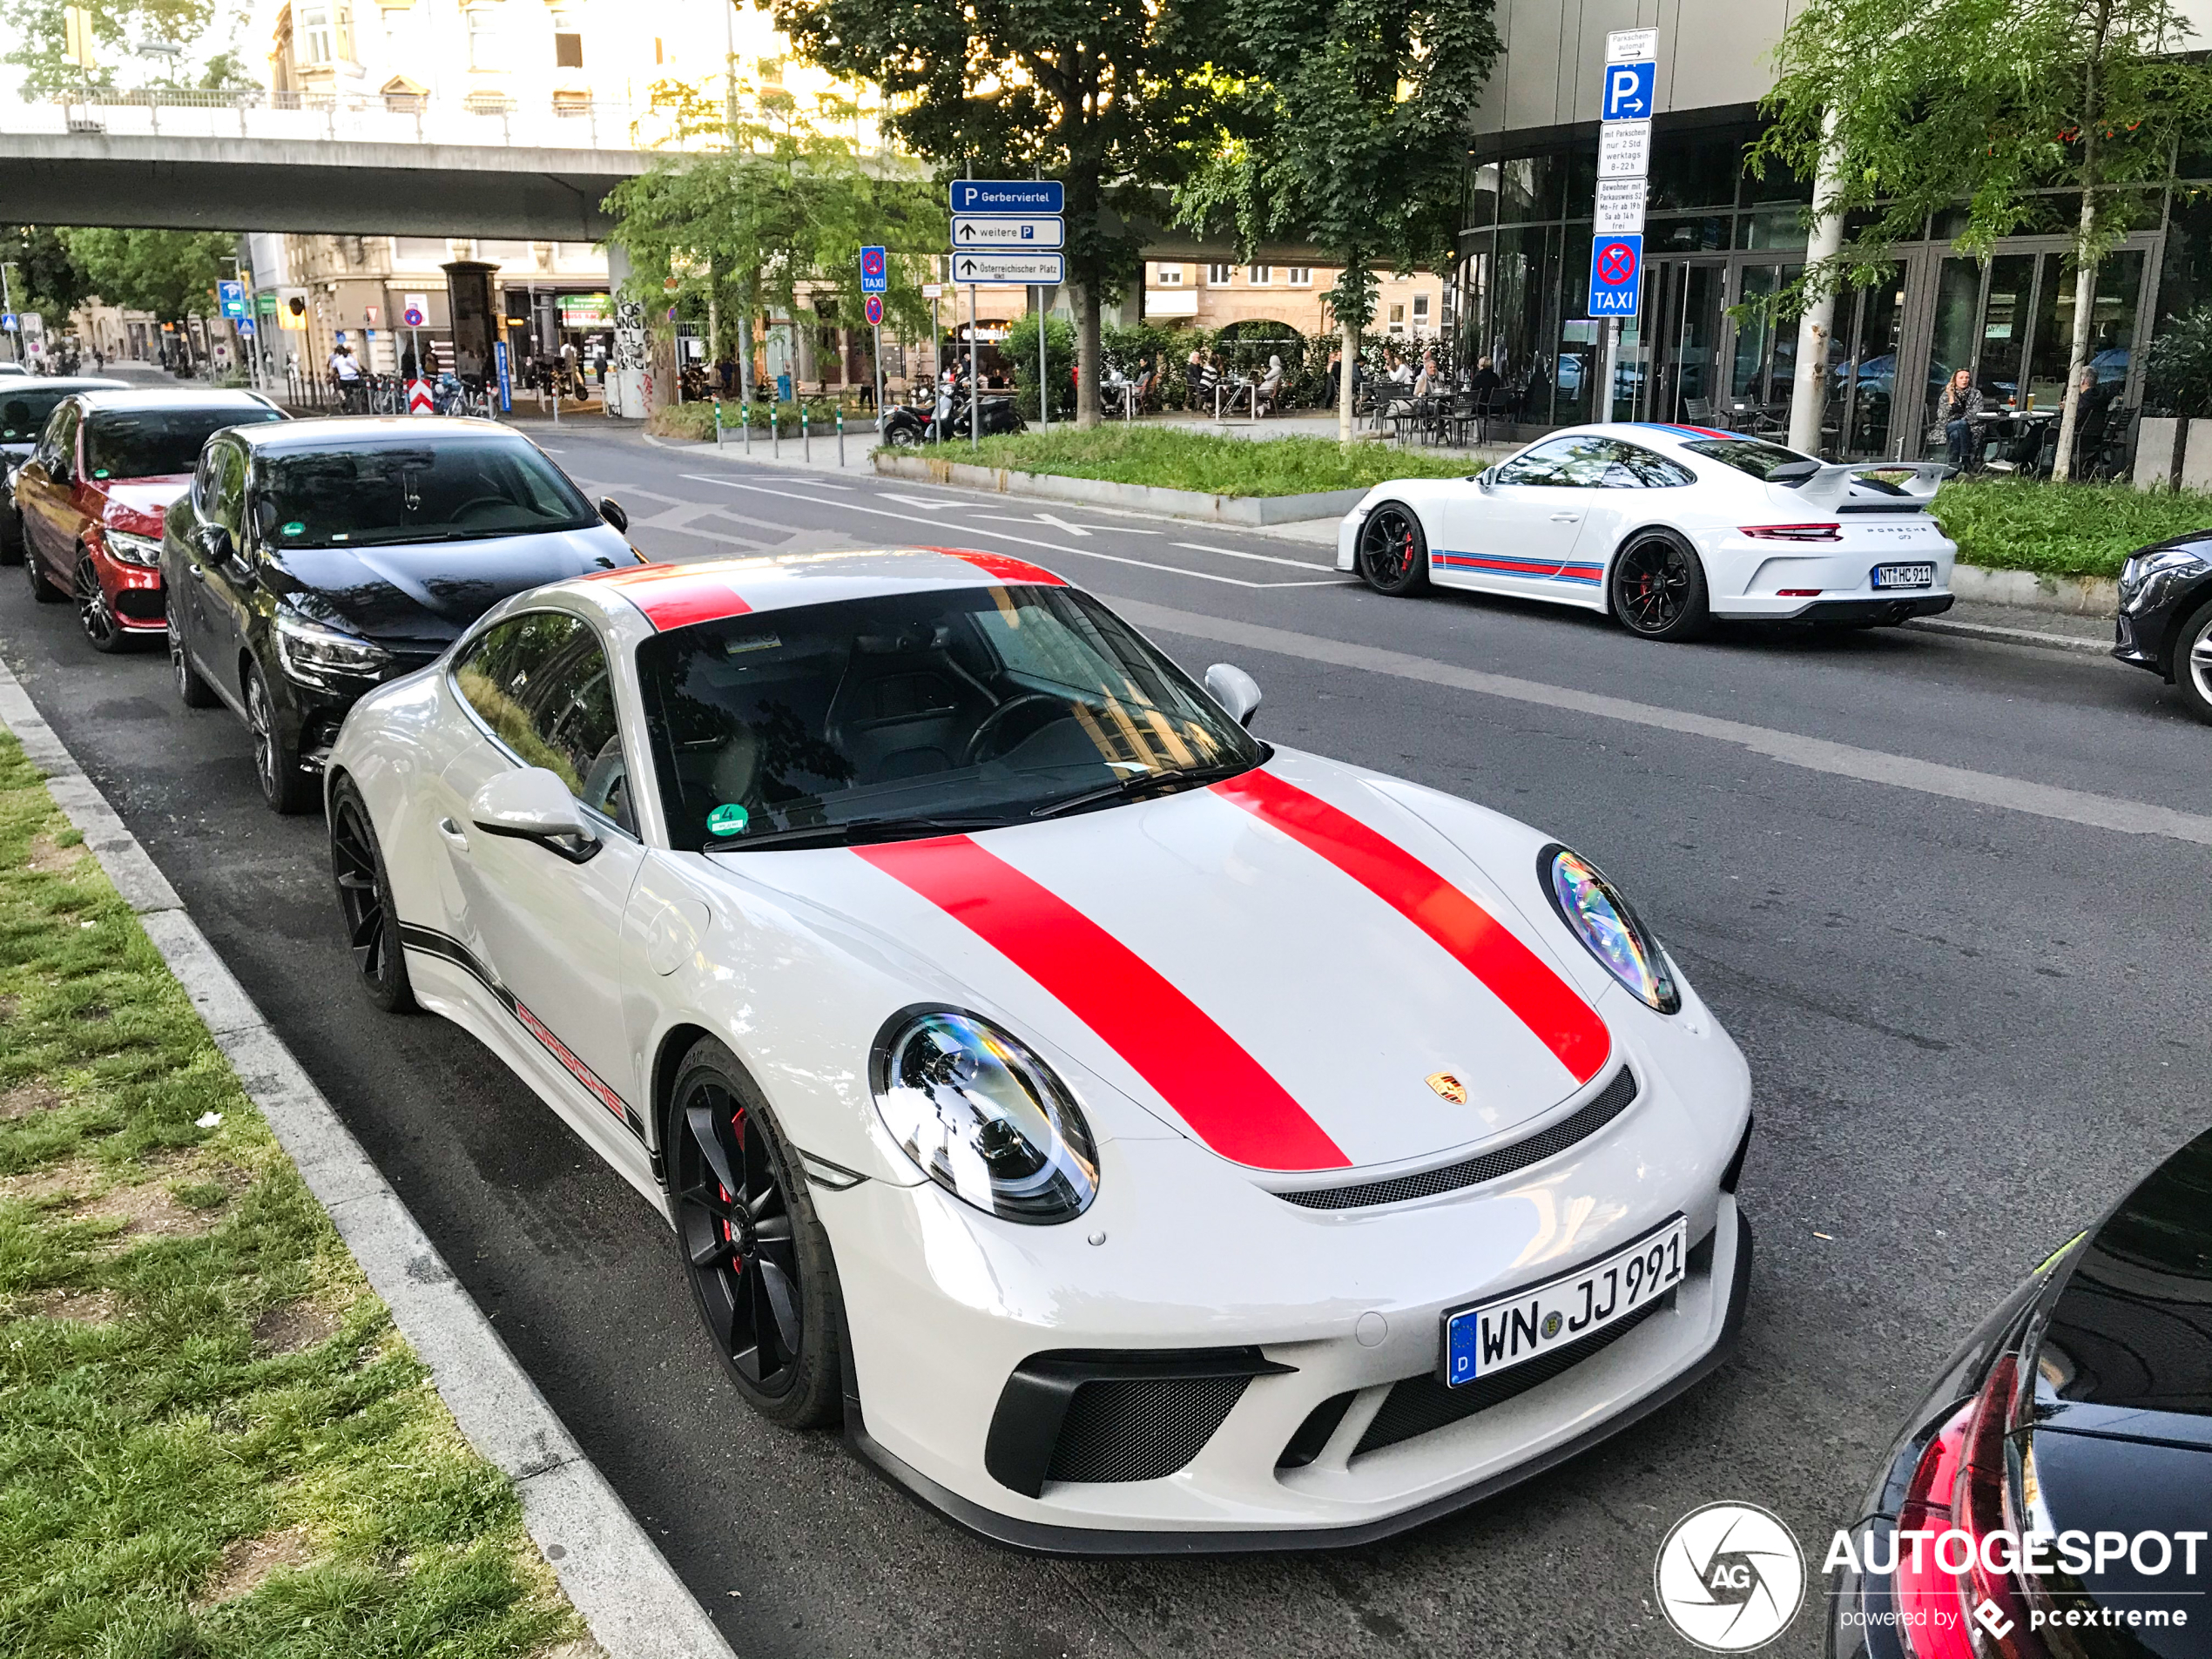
x=1112 y=97
x=47 y=278
x=171 y=273
x=38 y=31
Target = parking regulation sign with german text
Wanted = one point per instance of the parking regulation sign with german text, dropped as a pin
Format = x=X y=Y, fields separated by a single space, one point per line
x=1616 y=262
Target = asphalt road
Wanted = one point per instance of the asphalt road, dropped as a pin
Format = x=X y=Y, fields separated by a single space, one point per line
x=1948 y=895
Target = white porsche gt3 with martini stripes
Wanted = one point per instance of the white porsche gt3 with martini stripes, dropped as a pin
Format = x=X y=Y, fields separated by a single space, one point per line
x=1665 y=528
x=1137 y=1137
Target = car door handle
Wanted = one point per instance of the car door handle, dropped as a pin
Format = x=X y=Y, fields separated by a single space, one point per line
x=451 y=831
x=1566 y=518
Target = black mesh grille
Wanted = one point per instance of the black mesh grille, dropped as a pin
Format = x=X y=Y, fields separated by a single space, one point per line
x=1141 y=1428
x=141 y=604
x=1611 y=1102
x=1420 y=1404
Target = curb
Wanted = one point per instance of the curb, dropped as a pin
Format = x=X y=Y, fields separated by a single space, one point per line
x=2031 y=637
x=629 y=1595
x=2090 y=596
x=1249 y=511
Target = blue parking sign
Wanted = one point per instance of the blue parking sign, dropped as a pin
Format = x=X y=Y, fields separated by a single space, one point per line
x=1630 y=91
x=875 y=276
x=1616 y=266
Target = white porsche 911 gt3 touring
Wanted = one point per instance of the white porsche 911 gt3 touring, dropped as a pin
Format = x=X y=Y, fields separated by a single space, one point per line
x=1142 y=1137
x=1665 y=528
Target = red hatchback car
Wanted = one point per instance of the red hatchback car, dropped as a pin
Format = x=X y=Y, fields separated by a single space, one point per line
x=92 y=495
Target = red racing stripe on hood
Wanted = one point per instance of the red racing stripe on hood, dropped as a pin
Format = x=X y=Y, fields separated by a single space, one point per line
x=1221 y=1091
x=1547 y=1004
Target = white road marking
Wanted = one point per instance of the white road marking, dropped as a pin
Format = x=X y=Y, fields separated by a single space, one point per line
x=917 y=501
x=1264 y=558
x=1050 y=547
x=1059 y=523
x=1790 y=748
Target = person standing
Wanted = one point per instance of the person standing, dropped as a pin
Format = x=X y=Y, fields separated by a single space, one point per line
x=1956 y=411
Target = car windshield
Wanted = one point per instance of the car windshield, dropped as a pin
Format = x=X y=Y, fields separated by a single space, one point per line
x=157 y=443
x=24 y=411
x=1770 y=461
x=371 y=494
x=916 y=712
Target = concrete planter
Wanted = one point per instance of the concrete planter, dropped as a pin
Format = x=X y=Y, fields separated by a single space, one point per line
x=2093 y=596
x=1144 y=498
x=2158 y=451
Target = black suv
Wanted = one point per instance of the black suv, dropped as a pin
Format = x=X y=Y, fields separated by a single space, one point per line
x=313 y=559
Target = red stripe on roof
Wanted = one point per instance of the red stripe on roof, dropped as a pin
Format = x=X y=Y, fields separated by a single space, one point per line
x=1226 y=1097
x=1539 y=998
x=673 y=596
x=1004 y=566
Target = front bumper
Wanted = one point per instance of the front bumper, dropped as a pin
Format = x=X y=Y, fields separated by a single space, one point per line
x=1335 y=1311
x=134 y=592
x=2133 y=644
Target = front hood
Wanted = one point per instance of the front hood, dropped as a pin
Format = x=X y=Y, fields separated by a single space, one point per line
x=137 y=504
x=1278 y=964
x=432 y=590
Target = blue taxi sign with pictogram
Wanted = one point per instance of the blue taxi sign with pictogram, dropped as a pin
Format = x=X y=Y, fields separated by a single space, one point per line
x=1616 y=264
x=875 y=273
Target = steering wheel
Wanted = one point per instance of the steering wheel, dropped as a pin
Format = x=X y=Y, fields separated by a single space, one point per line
x=987 y=727
x=497 y=504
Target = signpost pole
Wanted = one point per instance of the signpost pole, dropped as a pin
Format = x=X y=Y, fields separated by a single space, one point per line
x=1044 y=361
x=975 y=378
x=879 y=378
x=1628 y=101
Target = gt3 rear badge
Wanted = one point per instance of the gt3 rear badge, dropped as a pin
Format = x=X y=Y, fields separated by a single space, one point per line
x=1448 y=1086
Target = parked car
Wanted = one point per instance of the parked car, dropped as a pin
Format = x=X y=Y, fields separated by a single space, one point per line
x=1665 y=528
x=25 y=406
x=866 y=911
x=2165 y=619
x=91 y=495
x=2081 y=1409
x=310 y=561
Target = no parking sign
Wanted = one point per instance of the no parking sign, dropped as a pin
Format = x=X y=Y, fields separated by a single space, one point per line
x=1616 y=262
x=872 y=307
x=415 y=313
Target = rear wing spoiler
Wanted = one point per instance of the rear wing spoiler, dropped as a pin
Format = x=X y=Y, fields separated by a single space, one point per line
x=1874 y=482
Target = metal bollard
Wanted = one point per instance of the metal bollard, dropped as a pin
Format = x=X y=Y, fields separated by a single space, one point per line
x=841 y=436
x=776 y=431
x=747 y=413
x=806 y=434
x=717 y=418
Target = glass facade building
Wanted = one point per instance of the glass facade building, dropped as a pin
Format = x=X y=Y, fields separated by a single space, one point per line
x=1716 y=239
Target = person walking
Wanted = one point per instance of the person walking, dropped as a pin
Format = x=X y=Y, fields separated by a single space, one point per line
x=1956 y=411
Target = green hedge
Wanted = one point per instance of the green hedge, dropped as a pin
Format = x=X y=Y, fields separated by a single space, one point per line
x=2062 y=529
x=1173 y=459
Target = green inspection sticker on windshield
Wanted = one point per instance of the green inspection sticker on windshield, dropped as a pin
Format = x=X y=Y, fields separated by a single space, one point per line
x=728 y=820
x=295 y=527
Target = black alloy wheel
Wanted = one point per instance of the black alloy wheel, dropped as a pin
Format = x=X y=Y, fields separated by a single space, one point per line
x=41 y=589
x=191 y=690
x=1393 y=551
x=757 y=1257
x=276 y=764
x=2193 y=662
x=92 y=613
x=365 y=895
x=1659 y=589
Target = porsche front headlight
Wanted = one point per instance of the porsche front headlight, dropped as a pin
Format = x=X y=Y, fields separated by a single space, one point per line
x=1596 y=912
x=984 y=1118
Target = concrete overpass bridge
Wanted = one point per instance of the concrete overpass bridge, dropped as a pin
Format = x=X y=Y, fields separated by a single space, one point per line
x=263 y=161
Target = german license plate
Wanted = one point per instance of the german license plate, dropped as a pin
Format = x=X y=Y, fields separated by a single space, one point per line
x=1491 y=1337
x=1905 y=576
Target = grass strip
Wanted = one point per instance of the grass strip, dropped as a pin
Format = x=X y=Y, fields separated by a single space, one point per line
x=2062 y=529
x=1170 y=458
x=214 y=1445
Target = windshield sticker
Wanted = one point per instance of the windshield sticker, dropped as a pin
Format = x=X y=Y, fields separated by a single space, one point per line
x=294 y=527
x=100 y=472
x=755 y=641
x=730 y=820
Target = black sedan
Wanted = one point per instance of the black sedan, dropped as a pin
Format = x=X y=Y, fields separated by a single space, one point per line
x=24 y=405
x=313 y=560
x=2165 y=622
x=2053 y=1497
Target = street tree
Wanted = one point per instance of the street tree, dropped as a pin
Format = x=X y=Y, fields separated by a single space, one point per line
x=47 y=277
x=780 y=211
x=1113 y=98
x=38 y=31
x=1907 y=108
x=171 y=273
x=1352 y=133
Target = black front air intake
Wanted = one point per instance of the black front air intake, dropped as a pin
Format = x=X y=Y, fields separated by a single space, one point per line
x=1609 y=1103
x=1105 y=1414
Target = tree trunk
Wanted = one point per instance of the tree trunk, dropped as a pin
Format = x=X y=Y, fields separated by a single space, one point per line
x=1086 y=355
x=1817 y=321
x=2085 y=271
x=746 y=292
x=1349 y=335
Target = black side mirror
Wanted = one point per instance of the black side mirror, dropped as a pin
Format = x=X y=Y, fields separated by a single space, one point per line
x=611 y=509
x=215 y=544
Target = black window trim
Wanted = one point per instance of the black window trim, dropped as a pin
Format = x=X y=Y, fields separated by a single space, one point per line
x=475 y=637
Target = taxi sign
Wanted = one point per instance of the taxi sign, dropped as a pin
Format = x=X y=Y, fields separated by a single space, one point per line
x=1616 y=263
x=875 y=273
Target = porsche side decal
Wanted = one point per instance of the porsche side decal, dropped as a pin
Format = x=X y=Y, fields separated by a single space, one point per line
x=1004 y=566
x=1540 y=570
x=1516 y=976
x=1226 y=1096
x=433 y=943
